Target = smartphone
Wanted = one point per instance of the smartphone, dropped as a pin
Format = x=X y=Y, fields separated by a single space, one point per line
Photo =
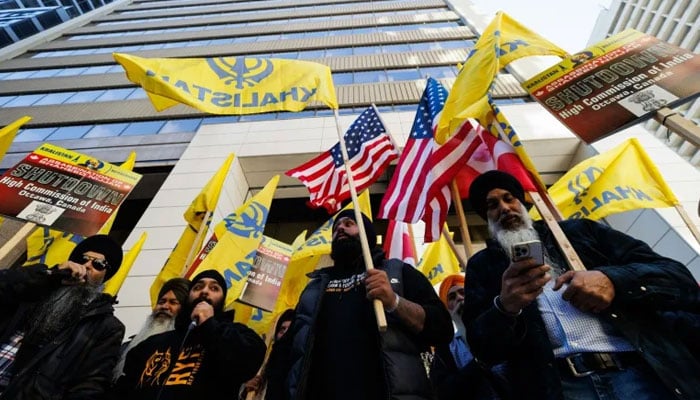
x=531 y=249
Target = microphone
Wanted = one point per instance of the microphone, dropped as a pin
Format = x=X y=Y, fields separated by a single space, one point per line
x=192 y=325
x=60 y=273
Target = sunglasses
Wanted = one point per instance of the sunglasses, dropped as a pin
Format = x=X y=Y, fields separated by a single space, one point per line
x=97 y=263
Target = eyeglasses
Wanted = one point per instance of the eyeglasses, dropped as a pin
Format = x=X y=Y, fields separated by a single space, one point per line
x=97 y=263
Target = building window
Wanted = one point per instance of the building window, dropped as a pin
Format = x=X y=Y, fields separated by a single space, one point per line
x=106 y=130
x=70 y=132
x=143 y=128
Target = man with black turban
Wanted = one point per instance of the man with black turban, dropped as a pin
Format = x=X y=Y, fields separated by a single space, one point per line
x=206 y=355
x=59 y=337
x=565 y=334
x=334 y=349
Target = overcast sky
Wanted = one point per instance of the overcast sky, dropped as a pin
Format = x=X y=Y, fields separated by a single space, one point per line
x=567 y=24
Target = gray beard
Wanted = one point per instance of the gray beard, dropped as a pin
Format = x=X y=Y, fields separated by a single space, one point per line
x=507 y=238
x=457 y=320
x=62 y=308
x=152 y=326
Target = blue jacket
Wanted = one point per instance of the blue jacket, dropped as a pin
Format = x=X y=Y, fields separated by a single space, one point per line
x=646 y=284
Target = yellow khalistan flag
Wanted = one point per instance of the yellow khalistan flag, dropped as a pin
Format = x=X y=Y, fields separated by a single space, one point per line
x=113 y=285
x=51 y=247
x=311 y=255
x=621 y=179
x=205 y=201
x=231 y=85
x=503 y=41
x=438 y=261
x=7 y=134
x=234 y=253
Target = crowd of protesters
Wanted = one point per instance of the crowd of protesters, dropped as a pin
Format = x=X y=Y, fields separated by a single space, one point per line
x=626 y=327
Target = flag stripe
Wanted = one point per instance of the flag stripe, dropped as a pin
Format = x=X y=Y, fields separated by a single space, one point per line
x=370 y=151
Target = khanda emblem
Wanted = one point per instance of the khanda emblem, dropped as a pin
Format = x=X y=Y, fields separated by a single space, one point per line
x=244 y=71
x=249 y=224
x=582 y=182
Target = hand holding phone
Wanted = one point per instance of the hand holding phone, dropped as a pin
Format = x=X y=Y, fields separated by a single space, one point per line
x=531 y=249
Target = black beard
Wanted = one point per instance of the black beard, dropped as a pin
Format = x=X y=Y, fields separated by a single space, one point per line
x=346 y=251
x=183 y=320
x=59 y=310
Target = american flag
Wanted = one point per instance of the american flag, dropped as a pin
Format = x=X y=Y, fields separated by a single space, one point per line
x=420 y=188
x=369 y=152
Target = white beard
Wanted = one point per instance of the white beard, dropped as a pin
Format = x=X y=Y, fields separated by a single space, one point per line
x=507 y=238
x=152 y=326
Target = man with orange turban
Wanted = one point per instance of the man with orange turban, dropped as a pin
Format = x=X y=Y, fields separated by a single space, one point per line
x=455 y=373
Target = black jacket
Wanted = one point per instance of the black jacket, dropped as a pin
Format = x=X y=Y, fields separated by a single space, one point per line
x=646 y=284
x=214 y=358
x=471 y=382
x=78 y=363
x=404 y=374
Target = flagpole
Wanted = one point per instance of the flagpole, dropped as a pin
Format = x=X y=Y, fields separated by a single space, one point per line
x=686 y=218
x=562 y=241
x=453 y=246
x=378 y=306
x=463 y=227
x=413 y=240
x=194 y=250
x=18 y=237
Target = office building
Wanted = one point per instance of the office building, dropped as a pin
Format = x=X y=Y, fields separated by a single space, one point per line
x=20 y=19
x=379 y=51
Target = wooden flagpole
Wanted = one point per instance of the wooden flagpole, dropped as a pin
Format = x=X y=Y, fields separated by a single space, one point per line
x=463 y=227
x=413 y=241
x=688 y=222
x=194 y=250
x=453 y=246
x=22 y=234
x=562 y=241
x=378 y=306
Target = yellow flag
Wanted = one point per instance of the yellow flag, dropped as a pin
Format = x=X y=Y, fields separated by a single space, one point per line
x=438 y=261
x=115 y=283
x=231 y=85
x=130 y=161
x=621 y=179
x=205 y=201
x=51 y=247
x=128 y=164
x=503 y=41
x=7 y=134
x=234 y=253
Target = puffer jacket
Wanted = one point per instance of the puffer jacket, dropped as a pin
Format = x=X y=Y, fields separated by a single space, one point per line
x=77 y=364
